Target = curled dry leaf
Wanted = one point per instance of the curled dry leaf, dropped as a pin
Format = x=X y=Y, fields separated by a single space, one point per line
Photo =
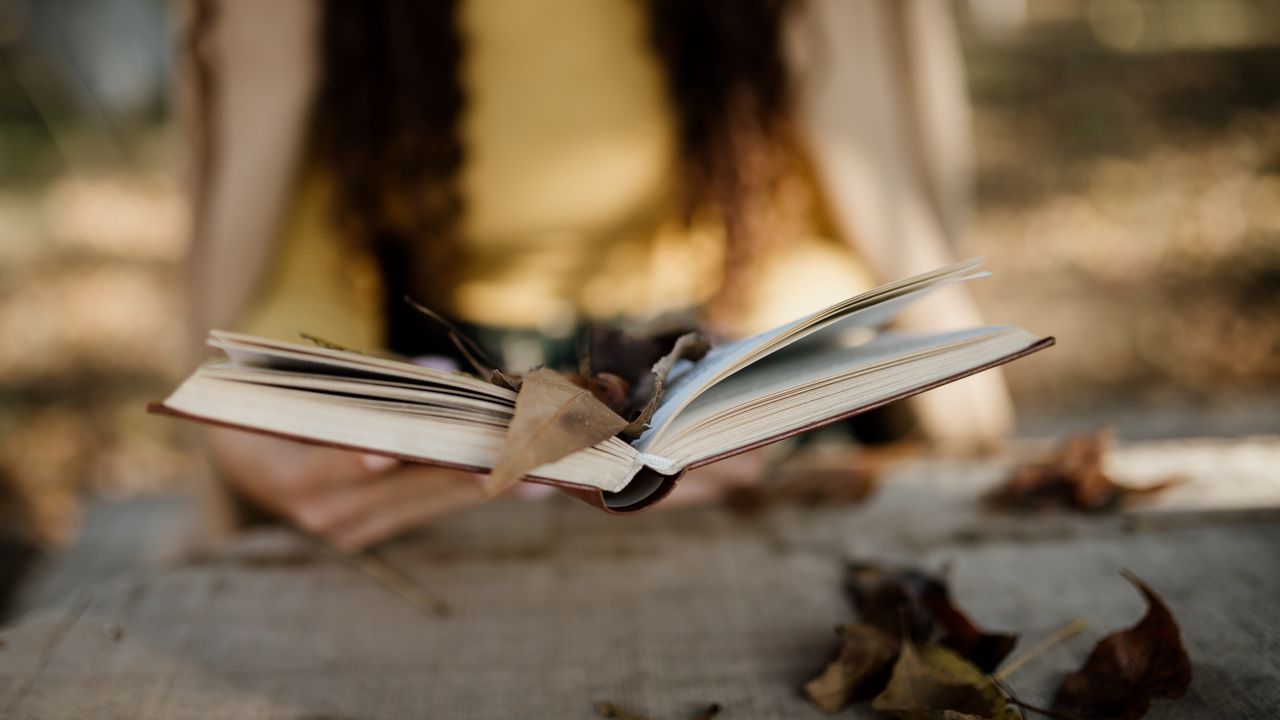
x=627 y=355
x=1070 y=476
x=610 y=389
x=984 y=649
x=889 y=598
x=931 y=682
x=553 y=418
x=648 y=390
x=858 y=672
x=1128 y=668
x=503 y=380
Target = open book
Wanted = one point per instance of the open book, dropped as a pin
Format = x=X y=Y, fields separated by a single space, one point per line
x=821 y=368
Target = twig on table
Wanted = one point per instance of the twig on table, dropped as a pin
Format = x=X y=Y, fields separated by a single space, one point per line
x=609 y=710
x=1047 y=713
x=390 y=577
x=1055 y=637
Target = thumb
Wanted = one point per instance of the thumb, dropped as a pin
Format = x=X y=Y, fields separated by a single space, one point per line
x=378 y=464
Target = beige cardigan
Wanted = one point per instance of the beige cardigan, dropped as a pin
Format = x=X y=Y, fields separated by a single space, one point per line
x=881 y=112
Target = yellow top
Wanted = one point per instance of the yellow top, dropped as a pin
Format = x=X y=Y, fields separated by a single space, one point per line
x=568 y=185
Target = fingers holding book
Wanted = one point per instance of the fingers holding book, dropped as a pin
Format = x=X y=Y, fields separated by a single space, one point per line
x=350 y=499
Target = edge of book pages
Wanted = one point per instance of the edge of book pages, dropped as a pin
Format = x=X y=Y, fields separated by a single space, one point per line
x=648 y=487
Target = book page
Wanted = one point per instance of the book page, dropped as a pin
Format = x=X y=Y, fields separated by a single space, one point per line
x=416 y=432
x=804 y=384
x=805 y=364
x=870 y=309
x=257 y=352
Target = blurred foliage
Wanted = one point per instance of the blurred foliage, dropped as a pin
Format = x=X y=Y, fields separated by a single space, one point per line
x=1129 y=202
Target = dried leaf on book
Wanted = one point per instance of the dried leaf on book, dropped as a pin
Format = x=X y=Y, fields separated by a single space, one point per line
x=612 y=390
x=616 y=351
x=1071 y=476
x=648 y=390
x=1128 y=668
x=553 y=419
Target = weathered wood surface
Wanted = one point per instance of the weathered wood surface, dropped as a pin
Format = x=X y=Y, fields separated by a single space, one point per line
x=556 y=606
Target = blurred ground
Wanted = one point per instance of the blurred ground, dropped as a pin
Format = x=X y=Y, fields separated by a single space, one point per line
x=1129 y=203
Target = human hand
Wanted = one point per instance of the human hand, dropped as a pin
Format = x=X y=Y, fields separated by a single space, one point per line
x=351 y=499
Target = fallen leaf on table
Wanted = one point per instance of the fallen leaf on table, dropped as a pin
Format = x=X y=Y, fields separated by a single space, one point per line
x=985 y=649
x=1128 y=668
x=553 y=419
x=828 y=487
x=890 y=598
x=859 y=671
x=814 y=477
x=886 y=598
x=1069 y=476
x=933 y=682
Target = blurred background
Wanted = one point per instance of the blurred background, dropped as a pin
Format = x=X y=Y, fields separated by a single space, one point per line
x=1128 y=199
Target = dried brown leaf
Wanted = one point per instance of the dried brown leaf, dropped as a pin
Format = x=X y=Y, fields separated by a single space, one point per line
x=859 y=670
x=503 y=380
x=984 y=649
x=610 y=389
x=888 y=598
x=931 y=682
x=1128 y=668
x=616 y=351
x=647 y=392
x=849 y=486
x=553 y=419
x=1070 y=476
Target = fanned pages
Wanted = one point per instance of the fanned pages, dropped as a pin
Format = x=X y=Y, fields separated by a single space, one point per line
x=815 y=370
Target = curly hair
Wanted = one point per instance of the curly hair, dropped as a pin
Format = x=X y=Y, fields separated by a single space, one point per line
x=387 y=120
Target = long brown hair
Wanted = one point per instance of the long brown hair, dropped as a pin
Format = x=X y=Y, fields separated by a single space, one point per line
x=391 y=98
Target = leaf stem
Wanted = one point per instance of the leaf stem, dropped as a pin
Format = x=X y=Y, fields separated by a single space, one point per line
x=1043 y=711
x=1057 y=636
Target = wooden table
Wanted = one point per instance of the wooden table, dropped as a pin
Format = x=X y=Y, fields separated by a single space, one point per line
x=555 y=606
